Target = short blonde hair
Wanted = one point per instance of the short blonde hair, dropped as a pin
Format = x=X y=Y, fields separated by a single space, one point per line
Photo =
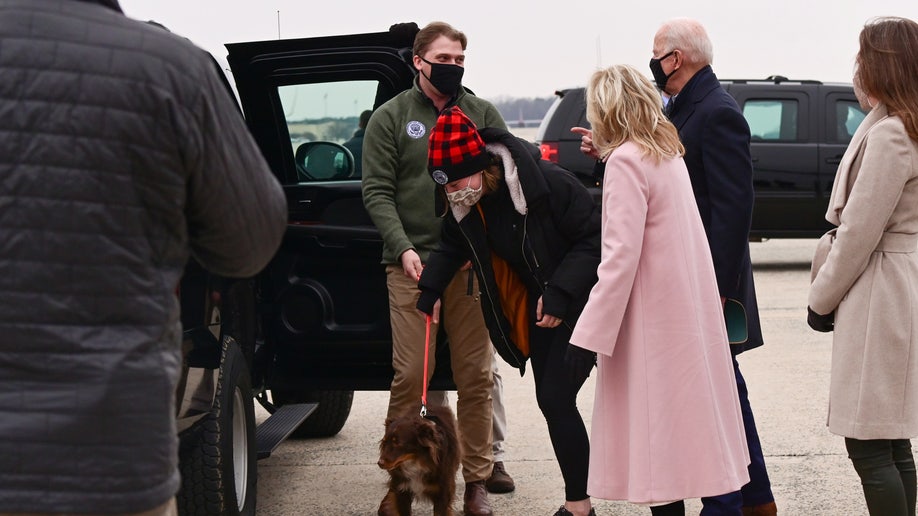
x=622 y=105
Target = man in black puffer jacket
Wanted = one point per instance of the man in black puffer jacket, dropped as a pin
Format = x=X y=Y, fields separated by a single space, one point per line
x=532 y=233
x=122 y=153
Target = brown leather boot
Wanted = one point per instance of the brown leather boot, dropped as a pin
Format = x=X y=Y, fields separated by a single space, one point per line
x=500 y=481
x=476 y=500
x=766 y=509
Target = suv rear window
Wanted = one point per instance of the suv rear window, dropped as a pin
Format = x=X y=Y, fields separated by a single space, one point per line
x=772 y=119
x=848 y=116
x=543 y=127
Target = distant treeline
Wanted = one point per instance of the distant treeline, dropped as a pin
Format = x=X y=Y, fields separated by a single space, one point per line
x=528 y=110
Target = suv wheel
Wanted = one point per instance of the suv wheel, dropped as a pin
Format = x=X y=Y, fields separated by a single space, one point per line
x=327 y=420
x=218 y=463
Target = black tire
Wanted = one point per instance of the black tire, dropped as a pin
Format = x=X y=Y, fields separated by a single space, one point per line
x=218 y=461
x=329 y=417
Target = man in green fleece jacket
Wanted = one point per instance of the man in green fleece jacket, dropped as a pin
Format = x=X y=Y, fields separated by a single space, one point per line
x=399 y=196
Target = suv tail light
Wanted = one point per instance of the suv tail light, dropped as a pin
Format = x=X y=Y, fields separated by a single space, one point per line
x=549 y=151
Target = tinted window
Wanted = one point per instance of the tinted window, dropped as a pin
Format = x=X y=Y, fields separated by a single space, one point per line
x=325 y=112
x=540 y=135
x=772 y=119
x=848 y=116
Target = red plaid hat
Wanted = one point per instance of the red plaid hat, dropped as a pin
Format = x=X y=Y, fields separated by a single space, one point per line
x=455 y=149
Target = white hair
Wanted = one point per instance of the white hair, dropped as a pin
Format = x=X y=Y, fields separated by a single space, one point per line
x=689 y=36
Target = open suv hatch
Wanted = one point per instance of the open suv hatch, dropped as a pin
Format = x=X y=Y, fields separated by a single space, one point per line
x=313 y=327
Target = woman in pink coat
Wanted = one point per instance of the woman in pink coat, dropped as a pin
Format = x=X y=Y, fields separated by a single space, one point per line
x=666 y=420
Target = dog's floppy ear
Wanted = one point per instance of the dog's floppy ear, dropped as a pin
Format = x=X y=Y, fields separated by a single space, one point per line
x=429 y=439
x=382 y=442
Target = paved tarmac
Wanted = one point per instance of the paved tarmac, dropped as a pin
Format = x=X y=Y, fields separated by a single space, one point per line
x=788 y=388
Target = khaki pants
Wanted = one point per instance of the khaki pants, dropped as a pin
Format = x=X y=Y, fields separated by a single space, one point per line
x=166 y=509
x=499 y=415
x=470 y=354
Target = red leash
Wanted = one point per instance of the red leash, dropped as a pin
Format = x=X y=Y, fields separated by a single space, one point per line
x=424 y=381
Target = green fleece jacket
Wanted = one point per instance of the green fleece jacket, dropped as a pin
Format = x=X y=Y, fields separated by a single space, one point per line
x=397 y=189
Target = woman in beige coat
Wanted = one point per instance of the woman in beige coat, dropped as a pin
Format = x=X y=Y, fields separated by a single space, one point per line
x=868 y=286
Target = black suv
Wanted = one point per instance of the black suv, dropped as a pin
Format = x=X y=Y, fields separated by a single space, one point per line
x=800 y=130
x=314 y=325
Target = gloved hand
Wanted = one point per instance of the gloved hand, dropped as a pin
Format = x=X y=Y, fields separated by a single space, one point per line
x=823 y=323
x=578 y=363
x=404 y=31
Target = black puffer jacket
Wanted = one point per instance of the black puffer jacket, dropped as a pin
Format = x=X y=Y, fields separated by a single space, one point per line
x=554 y=246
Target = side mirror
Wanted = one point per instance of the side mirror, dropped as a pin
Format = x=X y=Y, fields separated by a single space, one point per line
x=323 y=161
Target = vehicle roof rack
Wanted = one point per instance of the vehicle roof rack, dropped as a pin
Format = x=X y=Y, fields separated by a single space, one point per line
x=774 y=79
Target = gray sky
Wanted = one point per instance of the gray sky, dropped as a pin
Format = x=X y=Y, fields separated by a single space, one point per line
x=530 y=49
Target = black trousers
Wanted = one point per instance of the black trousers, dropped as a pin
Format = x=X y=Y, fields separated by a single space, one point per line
x=670 y=509
x=758 y=490
x=557 y=399
x=887 y=471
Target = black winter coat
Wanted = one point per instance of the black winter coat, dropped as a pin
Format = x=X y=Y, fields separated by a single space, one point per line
x=554 y=247
x=716 y=139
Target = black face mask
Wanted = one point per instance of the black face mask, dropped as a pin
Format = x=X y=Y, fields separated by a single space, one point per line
x=656 y=68
x=446 y=78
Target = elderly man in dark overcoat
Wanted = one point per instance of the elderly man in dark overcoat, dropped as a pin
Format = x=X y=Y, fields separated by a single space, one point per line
x=716 y=139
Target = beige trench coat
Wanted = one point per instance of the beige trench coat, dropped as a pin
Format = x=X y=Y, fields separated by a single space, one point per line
x=870 y=280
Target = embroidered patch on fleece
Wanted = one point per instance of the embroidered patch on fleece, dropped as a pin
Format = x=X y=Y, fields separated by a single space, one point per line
x=415 y=129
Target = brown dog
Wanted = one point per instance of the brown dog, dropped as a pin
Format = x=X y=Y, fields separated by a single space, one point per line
x=421 y=455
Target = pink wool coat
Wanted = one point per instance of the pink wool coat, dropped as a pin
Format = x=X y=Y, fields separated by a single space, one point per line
x=666 y=416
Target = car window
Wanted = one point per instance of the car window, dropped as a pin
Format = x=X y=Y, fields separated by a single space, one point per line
x=772 y=119
x=322 y=121
x=543 y=126
x=848 y=116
